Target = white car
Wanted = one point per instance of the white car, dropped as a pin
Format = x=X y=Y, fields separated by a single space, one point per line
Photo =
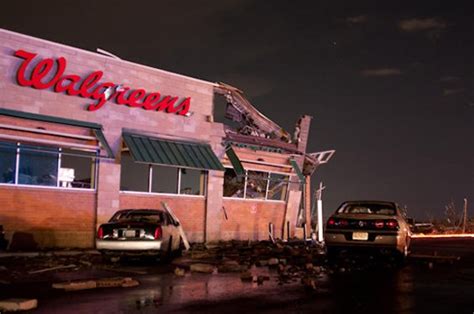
x=139 y=231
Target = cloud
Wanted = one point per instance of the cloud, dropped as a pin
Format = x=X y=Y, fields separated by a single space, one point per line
x=421 y=24
x=356 y=19
x=451 y=91
x=381 y=72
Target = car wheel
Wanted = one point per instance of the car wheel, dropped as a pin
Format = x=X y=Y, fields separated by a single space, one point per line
x=179 y=250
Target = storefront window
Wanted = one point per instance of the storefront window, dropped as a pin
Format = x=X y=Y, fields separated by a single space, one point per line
x=76 y=170
x=38 y=166
x=164 y=179
x=233 y=186
x=256 y=184
x=7 y=162
x=147 y=178
x=277 y=187
x=192 y=182
x=133 y=176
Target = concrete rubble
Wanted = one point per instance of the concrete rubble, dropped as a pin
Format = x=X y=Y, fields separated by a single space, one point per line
x=288 y=262
x=12 y=305
x=124 y=282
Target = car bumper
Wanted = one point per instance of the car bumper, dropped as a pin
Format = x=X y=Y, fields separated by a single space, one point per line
x=386 y=241
x=128 y=246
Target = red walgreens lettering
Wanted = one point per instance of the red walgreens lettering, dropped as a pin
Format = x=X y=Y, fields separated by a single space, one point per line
x=45 y=75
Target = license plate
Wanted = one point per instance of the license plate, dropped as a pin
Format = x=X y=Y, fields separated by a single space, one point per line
x=360 y=236
x=130 y=233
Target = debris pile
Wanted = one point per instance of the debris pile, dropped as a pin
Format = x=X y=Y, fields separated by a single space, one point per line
x=19 y=267
x=289 y=262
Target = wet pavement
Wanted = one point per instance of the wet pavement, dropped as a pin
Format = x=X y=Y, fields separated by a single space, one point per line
x=424 y=285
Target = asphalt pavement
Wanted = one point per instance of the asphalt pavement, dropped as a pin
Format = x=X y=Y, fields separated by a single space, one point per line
x=428 y=283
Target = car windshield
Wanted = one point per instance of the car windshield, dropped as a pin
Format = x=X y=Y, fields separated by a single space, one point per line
x=367 y=208
x=139 y=216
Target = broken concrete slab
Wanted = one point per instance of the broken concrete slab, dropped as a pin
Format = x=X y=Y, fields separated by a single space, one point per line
x=129 y=283
x=76 y=285
x=10 y=305
x=180 y=272
x=112 y=282
x=202 y=268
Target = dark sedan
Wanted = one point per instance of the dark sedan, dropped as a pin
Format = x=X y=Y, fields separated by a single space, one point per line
x=374 y=225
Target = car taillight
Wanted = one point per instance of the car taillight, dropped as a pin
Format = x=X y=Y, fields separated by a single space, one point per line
x=100 y=233
x=391 y=224
x=331 y=222
x=158 y=233
x=379 y=224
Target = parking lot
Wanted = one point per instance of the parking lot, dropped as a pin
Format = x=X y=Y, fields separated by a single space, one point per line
x=438 y=278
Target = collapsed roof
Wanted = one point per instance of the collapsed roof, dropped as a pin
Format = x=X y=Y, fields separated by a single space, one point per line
x=256 y=129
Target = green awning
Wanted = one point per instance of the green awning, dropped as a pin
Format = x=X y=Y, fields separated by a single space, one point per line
x=96 y=128
x=158 y=151
x=235 y=161
x=297 y=170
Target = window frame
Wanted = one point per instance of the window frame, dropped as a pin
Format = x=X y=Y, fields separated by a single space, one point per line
x=149 y=191
x=94 y=163
x=266 y=199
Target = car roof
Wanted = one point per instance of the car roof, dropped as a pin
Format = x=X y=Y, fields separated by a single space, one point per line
x=370 y=202
x=140 y=210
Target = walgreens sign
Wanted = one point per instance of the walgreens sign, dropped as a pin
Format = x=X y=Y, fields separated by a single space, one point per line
x=44 y=74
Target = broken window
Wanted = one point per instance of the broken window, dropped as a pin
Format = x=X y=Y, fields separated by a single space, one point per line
x=256 y=184
x=234 y=186
x=277 y=187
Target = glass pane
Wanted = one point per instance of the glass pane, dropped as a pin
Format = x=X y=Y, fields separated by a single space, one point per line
x=133 y=175
x=278 y=187
x=256 y=184
x=38 y=166
x=233 y=185
x=164 y=180
x=7 y=162
x=192 y=181
x=76 y=171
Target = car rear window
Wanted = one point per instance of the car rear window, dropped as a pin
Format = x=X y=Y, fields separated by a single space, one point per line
x=139 y=216
x=376 y=209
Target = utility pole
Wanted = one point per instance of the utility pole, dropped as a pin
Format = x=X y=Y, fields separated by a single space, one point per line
x=465 y=217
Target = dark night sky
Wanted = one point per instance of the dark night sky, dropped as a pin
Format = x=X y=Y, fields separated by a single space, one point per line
x=390 y=84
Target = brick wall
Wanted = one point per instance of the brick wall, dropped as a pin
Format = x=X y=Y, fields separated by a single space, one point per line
x=48 y=217
x=248 y=220
x=189 y=210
